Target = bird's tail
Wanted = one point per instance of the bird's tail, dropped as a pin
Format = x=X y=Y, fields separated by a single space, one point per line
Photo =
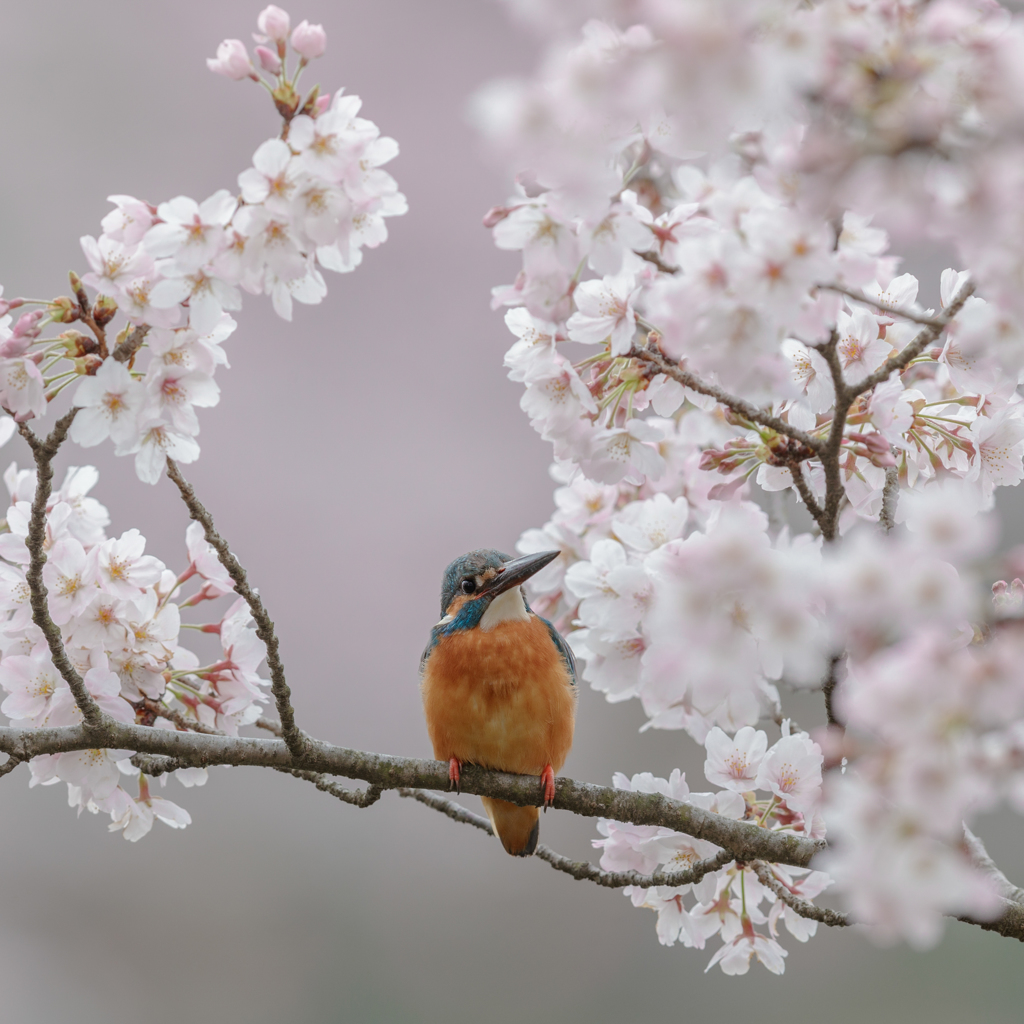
x=516 y=827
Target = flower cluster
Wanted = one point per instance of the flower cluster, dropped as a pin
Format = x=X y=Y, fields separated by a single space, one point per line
x=728 y=901
x=119 y=612
x=314 y=197
x=708 y=321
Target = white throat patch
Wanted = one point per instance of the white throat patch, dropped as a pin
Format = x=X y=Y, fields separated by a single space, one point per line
x=506 y=607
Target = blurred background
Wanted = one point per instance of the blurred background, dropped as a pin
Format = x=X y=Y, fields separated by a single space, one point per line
x=346 y=479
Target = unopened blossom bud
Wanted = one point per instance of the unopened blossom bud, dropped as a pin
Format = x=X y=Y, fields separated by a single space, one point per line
x=322 y=103
x=286 y=99
x=79 y=289
x=496 y=214
x=309 y=41
x=78 y=344
x=309 y=108
x=104 y=310
x=28 y=324
x=879 y=451
x=88 y=364
x=7 y=306
x=1008 y=599
x=269 y=60
x=232 y=61
x=63 y=310
x=274 y=23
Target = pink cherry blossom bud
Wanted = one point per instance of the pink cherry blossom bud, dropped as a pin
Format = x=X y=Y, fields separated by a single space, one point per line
x=6 y=307
x=269 y=60
x=1008 y=599
x=232 y=61
x=26 y=327
x=322 y=104
x=495 y=215
x=274 y=23
x=309 y=41
x=879 y=451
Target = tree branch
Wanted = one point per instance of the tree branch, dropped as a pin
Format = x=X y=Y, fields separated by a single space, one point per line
x=738 y=405
x=43 y=452
x=805 y=908
x=581 y=870
x=916 y=347
x=126 y=350
x=857 y=296
x=744 y=840
x=890 y=498
x=366 y=798
x=804 y=490
x=293 y=735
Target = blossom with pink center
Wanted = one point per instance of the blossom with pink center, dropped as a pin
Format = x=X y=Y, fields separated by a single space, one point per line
x=792 y=771
x=272 y=178
x=129 y=222
x=860 y=349
x=114 y=265
x=123 y=568
x=605 y=312
x=157 y=442
x=208 y=296
x=191 y=233
x=734 y=956
x=22 y=389
x=999 y=443
x=734 y=763
x=109 y=405
x=31 y=681
x=70 y=577
x=625 y=451
x=172 y=391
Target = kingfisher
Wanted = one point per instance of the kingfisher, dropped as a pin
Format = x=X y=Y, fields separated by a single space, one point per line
x=499 y=685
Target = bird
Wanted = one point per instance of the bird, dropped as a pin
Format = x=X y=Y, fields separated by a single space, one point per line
x=499 y=685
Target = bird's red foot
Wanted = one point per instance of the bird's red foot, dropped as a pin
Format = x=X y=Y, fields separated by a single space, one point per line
x=547 y=785
x=453 y=774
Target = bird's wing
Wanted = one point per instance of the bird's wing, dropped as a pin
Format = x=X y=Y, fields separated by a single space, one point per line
x=435 y=635
x=563 y=649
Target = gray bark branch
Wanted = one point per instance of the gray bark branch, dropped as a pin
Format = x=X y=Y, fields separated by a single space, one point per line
x=739 y=405
x=581 y=870
x=173 y=750
x=293 y=735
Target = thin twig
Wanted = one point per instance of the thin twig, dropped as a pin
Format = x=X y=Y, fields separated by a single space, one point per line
x=581 y=870
x=173 y=715
x=292 y=734
x=9 y=765
x=744 y=408
x=124 y=351
x=916 y=347
x=768 y=878
x=851 y=293
x=804 y=490
x=269 y=726
x=366 y=798
x=43 y=452
x=890 y=498
x=828 y=687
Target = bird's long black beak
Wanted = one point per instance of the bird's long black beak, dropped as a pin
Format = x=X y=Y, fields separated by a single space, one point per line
x=511 y=574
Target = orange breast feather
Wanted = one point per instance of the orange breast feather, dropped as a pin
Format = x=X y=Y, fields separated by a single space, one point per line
x=500 y=698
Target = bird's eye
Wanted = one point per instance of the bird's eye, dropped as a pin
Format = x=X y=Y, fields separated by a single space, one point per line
x=468 y=586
